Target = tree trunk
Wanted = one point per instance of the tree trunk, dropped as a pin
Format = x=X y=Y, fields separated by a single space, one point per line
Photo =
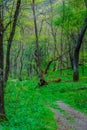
x=12 y=33
x=78 y=46
x=42 y=81
x=21 y=63
x=71 y=55
x=2 y=111
x=77 y=50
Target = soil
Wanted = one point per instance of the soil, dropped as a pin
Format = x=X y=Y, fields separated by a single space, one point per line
x=73 y=120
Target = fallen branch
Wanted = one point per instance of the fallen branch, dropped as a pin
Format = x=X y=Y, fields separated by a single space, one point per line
x=43 y=82
x=55 y=80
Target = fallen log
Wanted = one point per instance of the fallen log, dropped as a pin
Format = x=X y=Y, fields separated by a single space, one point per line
x=54 y=80
x=43 y=82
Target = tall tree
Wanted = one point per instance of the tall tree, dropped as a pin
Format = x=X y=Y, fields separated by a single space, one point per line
x=42 y=81
x=2 y=111
x=11 y=36
x=78 y=46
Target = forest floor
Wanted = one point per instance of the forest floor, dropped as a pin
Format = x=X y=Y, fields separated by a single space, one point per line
x=73 y=120
x=27 y=106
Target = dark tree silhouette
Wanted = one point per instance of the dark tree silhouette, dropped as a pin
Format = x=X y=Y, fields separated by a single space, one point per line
x=12 y=33
x=78 y=46
x=2 y=111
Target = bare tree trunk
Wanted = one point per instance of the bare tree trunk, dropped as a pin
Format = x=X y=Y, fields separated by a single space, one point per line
x=15 y=65
x=83 y=69
x=42 y=81
x=12 y=33
x=71 y=55
x=21 y=63
x=2 y=110
x=62 y=30
x=53 y=32
x=77 y=50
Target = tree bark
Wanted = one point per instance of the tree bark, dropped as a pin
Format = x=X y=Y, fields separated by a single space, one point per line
x=77 y=50
x=42 y=81
x=2 y=110
x=12 y=33
x=78 y=46
x=21 y=63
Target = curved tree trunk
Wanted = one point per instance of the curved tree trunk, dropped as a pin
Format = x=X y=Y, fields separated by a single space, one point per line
x=77 y=50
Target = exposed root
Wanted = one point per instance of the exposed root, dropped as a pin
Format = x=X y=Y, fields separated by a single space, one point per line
x=42 y=82
x=3 y=117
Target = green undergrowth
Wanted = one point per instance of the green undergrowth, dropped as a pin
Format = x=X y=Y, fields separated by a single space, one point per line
x=27 y=106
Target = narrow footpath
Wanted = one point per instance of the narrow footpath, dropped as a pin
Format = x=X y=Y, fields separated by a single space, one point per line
x=73 y=120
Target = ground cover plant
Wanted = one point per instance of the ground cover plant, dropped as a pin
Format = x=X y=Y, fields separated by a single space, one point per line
x=27 y=106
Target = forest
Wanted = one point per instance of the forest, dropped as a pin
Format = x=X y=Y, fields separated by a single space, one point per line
x=43 y=65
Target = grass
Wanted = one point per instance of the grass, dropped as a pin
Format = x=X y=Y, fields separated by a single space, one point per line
x=26 y=107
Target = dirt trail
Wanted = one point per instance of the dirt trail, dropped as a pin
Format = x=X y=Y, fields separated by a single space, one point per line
x=74 y=120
